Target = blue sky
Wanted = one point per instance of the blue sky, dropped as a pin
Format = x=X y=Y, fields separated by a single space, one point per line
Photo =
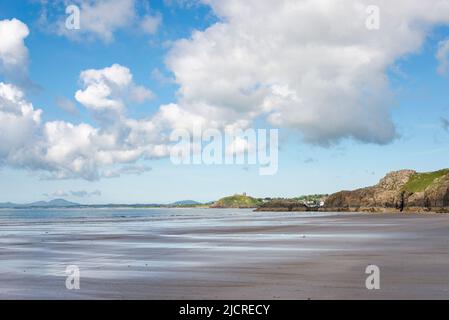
x=309 y=161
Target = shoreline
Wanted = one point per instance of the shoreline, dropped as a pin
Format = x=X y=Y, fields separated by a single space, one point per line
x=368 y=210
x=373 y=210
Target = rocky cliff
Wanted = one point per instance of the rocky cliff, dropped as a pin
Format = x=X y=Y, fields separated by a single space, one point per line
x=404 y=190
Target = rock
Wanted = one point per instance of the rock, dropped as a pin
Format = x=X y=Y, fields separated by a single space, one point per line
x=404 y=190
x=283 y=205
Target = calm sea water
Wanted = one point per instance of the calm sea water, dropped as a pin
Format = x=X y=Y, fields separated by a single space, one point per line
x=81 y=220
x=32 y=214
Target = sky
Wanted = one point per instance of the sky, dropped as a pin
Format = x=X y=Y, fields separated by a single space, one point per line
x=355 y=88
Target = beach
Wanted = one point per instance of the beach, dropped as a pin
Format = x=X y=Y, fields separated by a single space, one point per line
x=221 y=254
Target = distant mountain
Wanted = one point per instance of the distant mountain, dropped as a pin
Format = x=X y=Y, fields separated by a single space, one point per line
x=185 y=203
x=7 y=205
x=53 y=203
x=61 y=203
x=56 y=203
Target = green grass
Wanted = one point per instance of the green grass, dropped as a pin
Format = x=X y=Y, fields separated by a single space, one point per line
x=236 y=201
x=420 y=181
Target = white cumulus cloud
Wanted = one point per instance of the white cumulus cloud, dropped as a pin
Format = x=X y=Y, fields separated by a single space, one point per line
x=63 y=150
x=308 y=65
x=100 y=19
x=19 y=121
x=106 y=89
x=13 y=52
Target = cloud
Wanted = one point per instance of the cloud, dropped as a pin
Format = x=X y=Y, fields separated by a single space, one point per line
x=78 y=194
x=160 y=77
x=63 y=150
x=127 y=170
x=13 y=52
x=85 y=194
x=107 y=89
x=68 y=151
x=150 y=24
x=101 y=18
x=310 y=160
x=443 y=57
x=19 y=121
x=311 y=66
x=239 y=146
x=140 y=94
x=67 y=105
x=56 y=194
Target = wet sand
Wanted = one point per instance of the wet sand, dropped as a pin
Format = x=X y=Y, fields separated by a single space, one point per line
x=222 y=254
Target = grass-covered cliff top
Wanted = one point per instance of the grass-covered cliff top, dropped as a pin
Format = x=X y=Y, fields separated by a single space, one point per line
x=420 y=181
x=237 y=201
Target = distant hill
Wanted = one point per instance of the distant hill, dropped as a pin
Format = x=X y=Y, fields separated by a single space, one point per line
x=53 y=203
x=7 y=205
x=185 y=203
x=56 y=203
x=61 y=203
x=237 y=201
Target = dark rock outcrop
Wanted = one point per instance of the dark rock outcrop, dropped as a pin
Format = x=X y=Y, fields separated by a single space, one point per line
x=395 y=193
x=283 y=205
